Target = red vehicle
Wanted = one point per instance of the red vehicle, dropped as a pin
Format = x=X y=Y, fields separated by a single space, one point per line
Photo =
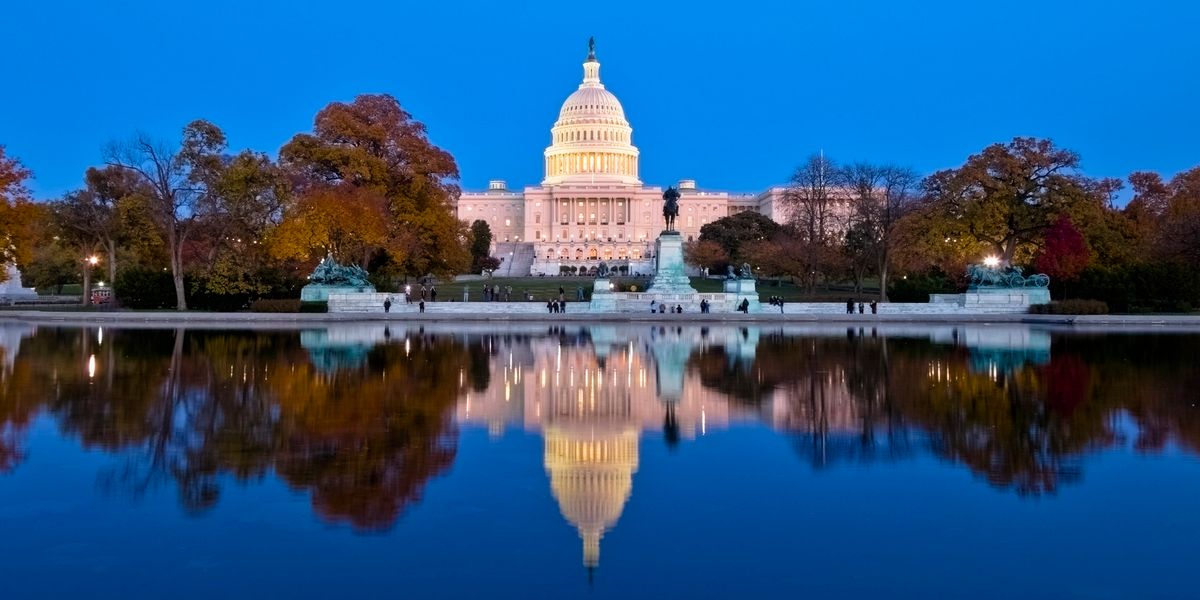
x=102 y=296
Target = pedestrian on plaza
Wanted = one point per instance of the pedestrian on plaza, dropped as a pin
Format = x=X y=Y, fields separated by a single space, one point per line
x=652 y=303
x=432 y=294
x=508 y=294
x=407 y=294
x=662 y=308
x=562 y=294
x=678 y=309
x=423 y=291
x=849 y=306
x=387 y=305
x=781 y=305
x=466 y=293
x=550 y=306
x=744 y=306
x=861 y=308
x=874 y=307
x=422 y=306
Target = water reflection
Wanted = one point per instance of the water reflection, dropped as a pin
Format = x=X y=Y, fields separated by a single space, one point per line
x=361 y=418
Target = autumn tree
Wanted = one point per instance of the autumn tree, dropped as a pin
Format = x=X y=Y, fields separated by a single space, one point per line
x=1003 y=199
x=1179 y=238
x=176 y=179
x=1064 y=253
x=372 y=151
x=17 y=213
x=705 y=253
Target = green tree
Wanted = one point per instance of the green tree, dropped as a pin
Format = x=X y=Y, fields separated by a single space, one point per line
x=735 y=230
x=481 y=244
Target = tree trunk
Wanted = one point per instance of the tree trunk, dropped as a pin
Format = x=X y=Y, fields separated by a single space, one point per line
x=883 y=282
x=176 y=249
x=111 y=246
x=87 y=284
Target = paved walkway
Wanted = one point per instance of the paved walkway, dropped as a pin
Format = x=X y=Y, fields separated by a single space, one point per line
x=243 y=319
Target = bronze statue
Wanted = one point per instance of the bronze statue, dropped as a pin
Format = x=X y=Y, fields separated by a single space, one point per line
x=670 y=207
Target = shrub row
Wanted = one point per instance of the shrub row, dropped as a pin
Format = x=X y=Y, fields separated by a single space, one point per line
x=276 y=305
x=1070 y=307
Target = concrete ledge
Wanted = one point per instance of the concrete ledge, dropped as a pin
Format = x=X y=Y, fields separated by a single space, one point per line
x=242 y=320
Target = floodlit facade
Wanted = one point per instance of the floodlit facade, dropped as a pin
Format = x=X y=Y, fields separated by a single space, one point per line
x=592 y=205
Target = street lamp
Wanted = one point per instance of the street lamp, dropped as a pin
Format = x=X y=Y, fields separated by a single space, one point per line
x=93 y=260
x=991 y=261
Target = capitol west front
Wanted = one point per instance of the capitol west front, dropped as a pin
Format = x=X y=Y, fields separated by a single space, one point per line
x=592 y=205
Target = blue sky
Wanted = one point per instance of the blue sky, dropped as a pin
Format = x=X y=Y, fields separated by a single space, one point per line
x=734 y=95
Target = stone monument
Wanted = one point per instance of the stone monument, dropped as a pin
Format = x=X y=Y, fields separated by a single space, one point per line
x=669 y=274
x=332 y=278
x=741 y=283
x=996 y=288
x=11 y=290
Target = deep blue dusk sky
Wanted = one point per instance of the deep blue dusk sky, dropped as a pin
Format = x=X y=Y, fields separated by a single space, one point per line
x=734 y=95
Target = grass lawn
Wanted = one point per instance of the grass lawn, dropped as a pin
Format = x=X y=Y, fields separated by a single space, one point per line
x=544 y=288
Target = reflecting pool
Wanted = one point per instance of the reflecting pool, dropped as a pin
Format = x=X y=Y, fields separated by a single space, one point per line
x=606 y=461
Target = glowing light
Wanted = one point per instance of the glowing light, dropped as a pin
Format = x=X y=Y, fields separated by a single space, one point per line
x=93 y=260
x=91 y=366
x=991 y=261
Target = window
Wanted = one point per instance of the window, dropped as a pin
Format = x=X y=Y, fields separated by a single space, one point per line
x=537 y=234
x=508 y=223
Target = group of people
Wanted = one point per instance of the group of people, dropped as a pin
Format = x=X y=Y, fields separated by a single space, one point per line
x=495 y=293
x=862 y=307
x=556 y=306
x=429 y=293
x=776 y=301
x=662 y=308
x=387 y=303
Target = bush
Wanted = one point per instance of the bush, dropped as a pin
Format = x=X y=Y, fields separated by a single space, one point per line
x=318 y=306
x=275 y=305
x=1157 y=287
x=137 y=287
x=1070 y=307
x=918 y=287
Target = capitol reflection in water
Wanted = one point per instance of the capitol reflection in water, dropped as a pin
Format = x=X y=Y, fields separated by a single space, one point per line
x=362 y=419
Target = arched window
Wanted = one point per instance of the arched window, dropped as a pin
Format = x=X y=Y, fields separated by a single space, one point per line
x=592 y=254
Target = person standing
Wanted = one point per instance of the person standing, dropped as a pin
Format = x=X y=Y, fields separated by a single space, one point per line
x=781 y=305
x=849 y=306
x=422 y=306
x=387 y=305
x=432 y=294
x=466 y=293
x=874 y=307
x=861 y=308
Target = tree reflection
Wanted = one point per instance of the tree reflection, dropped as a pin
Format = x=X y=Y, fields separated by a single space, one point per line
x=194 y=407
x=1021 y=425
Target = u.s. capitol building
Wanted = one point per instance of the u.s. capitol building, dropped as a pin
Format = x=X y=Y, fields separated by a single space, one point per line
x=592 y=205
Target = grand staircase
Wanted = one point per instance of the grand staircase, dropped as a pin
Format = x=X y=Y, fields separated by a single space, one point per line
x=516 y=259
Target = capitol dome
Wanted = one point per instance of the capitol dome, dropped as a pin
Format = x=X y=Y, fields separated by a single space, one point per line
x=591 y=141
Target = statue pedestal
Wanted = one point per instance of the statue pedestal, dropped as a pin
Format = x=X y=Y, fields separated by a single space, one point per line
x=669 y=275
x=743 y=289
x=603 y=299
x=11 y=290
x=317 y=292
